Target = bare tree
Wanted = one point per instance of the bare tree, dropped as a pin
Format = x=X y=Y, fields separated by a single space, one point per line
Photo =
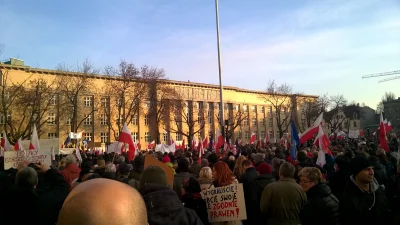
x=333 y=117
x=279 y=97
x=388 y=96
x=73 y=83
x=184 y=118
x=312 y=109
x=235 y=120
x=129 y=86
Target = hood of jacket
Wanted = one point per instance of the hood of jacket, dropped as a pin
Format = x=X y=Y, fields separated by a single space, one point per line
x=73 y=168
x=373 y=185
x=263 y=180
x=160 y=197
x=319 y=190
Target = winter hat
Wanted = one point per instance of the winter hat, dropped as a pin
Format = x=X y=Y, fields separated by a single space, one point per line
x=166 y=159
x=258 y=158
x=264 y=168
x=359 y=163
x=123 y=168
x=191 y=185
x=153 y=175
x=204 y=162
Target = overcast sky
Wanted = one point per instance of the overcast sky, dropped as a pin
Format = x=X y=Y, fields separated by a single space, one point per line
x=318 y=47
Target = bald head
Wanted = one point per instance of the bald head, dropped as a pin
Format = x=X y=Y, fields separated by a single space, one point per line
x=103 y=201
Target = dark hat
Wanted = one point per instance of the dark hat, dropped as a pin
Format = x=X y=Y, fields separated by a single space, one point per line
x=359 y=163
x=124 y=168
x=153 y=175
x=264 y=168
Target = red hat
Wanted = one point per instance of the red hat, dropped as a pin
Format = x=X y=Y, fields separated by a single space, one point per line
x=166 y=159
x=264 y=168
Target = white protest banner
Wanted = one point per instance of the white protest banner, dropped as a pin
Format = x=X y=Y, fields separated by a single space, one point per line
x=13 y=158
x=225 y=203
x=66 y=151
x=44 y=144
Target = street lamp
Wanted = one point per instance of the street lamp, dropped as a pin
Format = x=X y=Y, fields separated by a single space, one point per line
x=219 y=70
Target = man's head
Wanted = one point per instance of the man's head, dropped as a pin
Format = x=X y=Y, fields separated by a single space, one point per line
x=362 y=169
x=122 y=204
x=246 y=164
x=27 y=177
x=286 y=170
x=153 y=175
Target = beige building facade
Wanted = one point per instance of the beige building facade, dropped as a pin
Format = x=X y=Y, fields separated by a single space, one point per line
x=203 y=99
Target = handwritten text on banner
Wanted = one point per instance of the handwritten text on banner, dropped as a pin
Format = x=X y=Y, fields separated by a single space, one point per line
x=13 y=158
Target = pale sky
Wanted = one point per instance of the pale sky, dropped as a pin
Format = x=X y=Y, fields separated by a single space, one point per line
x=317 y=46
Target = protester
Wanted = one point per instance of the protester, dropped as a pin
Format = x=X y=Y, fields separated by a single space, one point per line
x=363 y=200
x=282 y=201
x=71 y=169
x=106 y=208
x=195 y=167
x=182 y=173
x=192 y=199
x=247 y=180
x=322 y=206
x=341 y=176
x=238 y=171
x=205 y=178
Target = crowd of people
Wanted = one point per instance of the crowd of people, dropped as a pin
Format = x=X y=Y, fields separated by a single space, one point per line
x=358 y=184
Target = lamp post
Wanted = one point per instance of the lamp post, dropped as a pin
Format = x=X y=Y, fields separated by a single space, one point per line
x=221 y=107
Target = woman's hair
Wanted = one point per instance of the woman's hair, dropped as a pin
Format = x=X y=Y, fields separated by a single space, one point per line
x=224 y=174
x=239 y=170
x=312 y=173
x=70 y=160
x=191 y=185
x=205 y=173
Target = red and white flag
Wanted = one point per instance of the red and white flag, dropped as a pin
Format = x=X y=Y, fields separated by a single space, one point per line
x=313 y=129
x=5 y=144
x=220 y=142
x=205 y=143
x=322 y=141
x=266 y=139
x=18 y=145
x=200 y=146
x=382 y=135
x=193 y=143
x=252 y=138
x=78 y=154
x=126 y=137
x=151 y=145
x=34 y=145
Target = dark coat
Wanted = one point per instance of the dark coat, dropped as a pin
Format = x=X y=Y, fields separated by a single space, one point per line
x=258 y=187
x=380 y=174
x=338 y=181
x=164 y=207
x=366 y=208
x=44 y=203
x=178 y=182
x=195 y=169
x=195 y=202
x=247 y=180
x=321 y=207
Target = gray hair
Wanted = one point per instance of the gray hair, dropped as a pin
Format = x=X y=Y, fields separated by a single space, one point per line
x=121 y=159
x=110 y=168
x=287 y=170
x=27 y=177
x=70 y=159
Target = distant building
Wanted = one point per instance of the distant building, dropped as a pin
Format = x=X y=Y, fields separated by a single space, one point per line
x=391 y=111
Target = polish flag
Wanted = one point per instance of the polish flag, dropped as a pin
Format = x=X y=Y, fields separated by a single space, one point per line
x=78 y=154
x=205 y=142
x=382 y=135
x=388 y=127
x=240 y=142
x=313 y=129
x=183 y=147
x=266 y=139
x=193 y=143
x=151 y=145
x=126 y=137
x=172 y=141
x=34 y=145
x=5 y=144
x=18 y=145
x=252 y=138
x=322 y=141
x=200 y=146
x=220 y=142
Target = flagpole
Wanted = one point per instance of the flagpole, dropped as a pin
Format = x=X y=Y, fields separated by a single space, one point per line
x=219 y=71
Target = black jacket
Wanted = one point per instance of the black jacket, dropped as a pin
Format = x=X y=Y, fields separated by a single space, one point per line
x=44 y=202
x=195 y=169
x=322 y=207
x=195 y=202
x=249 y=196
x=338 y=181
x=367 y=208
x=380 y=174
x=258 y=187
x=165 y=208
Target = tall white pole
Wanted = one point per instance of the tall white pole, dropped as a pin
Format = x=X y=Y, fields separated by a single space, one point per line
x=221 y=107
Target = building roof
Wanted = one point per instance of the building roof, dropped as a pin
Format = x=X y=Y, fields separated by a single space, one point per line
x=102 y=76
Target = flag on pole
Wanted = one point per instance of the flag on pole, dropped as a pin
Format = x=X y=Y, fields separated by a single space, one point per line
x=34 y=145
x=78 y=153
x=295 y=140
x=18 y=145
x=313 y=129
x=126 y=137
x=382 y=135
x=252 y=138
x=5 y=144
x=220 y=142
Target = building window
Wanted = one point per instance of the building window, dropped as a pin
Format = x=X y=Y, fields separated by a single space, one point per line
x=119 y=119
x=51 y=135
x=245 y=122
x=270 y=122
x=53 y=100
x=199 y=118
x=254 y=122
x=209 y=117
x=147 y=137
x=103 y=137
x=236 y=107
x=178 y=137
x=103 y=119
x=245 y=109
x=271 y=134
x=2 y=119
x=246 y=135
x=262 y=109
x=134 y=120
x=270 y=111
x=134 y=136
x=253 y=109
x=69 y=119
x=262 y=123
x=195 y=105
x=88 y=136
x=355 y=124
x=147 y=104
x=239 y=135
x=278 y=134
x=119 y=102
x=165 y=137
x=103 y=102
x=147 y=120
x=51 y=120
x=262 y=134
x=88 y=119
x=87 y=100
